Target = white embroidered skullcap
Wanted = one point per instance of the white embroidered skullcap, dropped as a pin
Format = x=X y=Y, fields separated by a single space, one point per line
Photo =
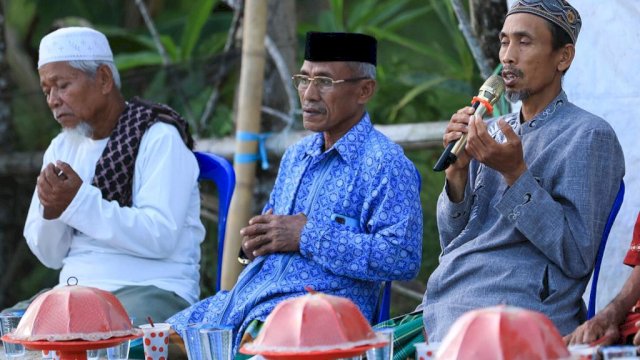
x=74 y=43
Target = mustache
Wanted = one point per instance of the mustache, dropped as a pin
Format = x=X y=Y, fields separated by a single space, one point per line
x=57 y=115
x=313 y=107
x=512 y=70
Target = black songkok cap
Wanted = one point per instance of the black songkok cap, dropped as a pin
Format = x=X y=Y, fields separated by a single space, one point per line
x=322 y=46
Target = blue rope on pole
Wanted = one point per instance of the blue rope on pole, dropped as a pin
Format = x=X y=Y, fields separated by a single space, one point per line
x=262 y=149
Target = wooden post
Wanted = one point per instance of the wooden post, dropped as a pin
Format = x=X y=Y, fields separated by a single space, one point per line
x=248 y=120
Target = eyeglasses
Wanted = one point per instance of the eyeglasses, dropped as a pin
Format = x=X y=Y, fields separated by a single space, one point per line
x=322 y=83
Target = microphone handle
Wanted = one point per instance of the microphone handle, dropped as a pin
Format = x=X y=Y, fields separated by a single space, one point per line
x=447 y=158
x=450 y=153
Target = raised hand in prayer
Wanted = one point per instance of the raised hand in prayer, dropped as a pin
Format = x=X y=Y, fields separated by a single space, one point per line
x=507 y=158
x=268 y=233
x=57 y=185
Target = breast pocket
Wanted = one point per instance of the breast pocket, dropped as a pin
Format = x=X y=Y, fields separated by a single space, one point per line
x=479 y=199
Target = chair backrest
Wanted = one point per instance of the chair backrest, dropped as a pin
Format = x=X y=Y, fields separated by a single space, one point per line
x=591 y=309
x=384 y=307
x=217 y=169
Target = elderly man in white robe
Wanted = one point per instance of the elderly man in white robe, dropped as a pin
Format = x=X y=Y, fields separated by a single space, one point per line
x=116 y=204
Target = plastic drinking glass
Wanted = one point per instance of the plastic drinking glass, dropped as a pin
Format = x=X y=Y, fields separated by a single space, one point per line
x=426 y=351
x=120 y=351
x=50 y=354
x=96 y=354
x=8 y=323
x=385 y=352
x=618 y=352
x=216 y=343
x=192 y=342
x=155 y=340
x=583 y=352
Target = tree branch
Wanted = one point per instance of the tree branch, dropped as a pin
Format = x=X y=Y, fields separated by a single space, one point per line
x=286 y=118
x=472 y=41
x=285 y=77
x=166 y=60
x=215 y=92
x=154 y=33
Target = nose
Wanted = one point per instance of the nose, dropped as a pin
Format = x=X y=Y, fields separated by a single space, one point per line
x=53 y=100
x=311 y=92
x=508 y=54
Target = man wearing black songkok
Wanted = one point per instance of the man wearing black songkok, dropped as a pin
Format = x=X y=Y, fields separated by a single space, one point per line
x=344 y=214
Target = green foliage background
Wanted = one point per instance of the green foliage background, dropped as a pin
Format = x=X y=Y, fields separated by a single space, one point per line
x=425 y=73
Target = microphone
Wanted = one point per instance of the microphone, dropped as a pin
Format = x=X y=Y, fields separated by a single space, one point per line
x=489 y=93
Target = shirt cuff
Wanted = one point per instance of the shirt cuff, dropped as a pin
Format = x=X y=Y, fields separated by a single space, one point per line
x=311 y=238
x=456 y=213
x=68 y=215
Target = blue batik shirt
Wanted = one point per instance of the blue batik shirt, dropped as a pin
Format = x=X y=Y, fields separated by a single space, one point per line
x=364 y=226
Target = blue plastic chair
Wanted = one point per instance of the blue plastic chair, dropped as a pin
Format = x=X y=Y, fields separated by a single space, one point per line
x=217 y=169
x=591 y=309
x=385 y=304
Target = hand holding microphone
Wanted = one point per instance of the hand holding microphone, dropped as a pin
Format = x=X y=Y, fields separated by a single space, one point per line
x=489 y=93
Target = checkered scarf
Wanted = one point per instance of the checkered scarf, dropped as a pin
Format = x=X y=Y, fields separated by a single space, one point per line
x=114 y=170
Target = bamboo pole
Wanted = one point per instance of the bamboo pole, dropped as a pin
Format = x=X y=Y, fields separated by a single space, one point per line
x=249 y=106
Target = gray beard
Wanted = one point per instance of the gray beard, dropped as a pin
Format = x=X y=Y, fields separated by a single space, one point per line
x=79 y=133
x=515 y=96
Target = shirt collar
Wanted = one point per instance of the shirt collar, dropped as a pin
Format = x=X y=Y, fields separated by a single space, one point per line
x=545 y=115
x=348 y=145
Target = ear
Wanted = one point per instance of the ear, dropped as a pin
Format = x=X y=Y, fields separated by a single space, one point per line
x=366 y=90
x=104 y=78
x=566 y=54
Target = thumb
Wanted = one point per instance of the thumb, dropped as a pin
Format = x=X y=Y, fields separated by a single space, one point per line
x=507 y=130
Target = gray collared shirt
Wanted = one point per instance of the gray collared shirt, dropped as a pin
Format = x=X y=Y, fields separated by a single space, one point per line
x=533 y=244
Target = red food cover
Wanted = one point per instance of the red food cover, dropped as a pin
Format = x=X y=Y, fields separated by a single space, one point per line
x=313 y=322
x=74 y=313
x=502 y=333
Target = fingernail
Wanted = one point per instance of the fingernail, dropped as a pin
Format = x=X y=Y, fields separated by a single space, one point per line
x=242 y=232
x=255 y=253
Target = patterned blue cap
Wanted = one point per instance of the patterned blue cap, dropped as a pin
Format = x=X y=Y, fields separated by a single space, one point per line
x=559 y=12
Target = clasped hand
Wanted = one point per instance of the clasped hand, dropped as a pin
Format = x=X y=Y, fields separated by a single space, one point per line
x=57 y=185
x=268 y=233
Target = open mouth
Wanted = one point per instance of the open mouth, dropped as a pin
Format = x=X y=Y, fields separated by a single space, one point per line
x=510 y=77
